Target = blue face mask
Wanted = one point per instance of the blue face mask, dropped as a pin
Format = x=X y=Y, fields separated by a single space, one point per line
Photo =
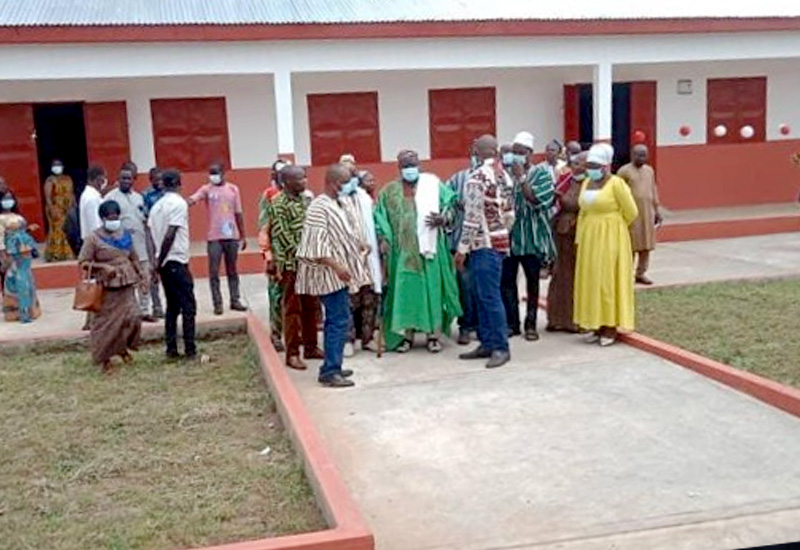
x=508 y=159
x=520 y=159
x=350 y=187
x=595 y=174
x=410 y=173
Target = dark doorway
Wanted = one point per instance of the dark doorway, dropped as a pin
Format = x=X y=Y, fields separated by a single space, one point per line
x=620 y=120
x=60 y=133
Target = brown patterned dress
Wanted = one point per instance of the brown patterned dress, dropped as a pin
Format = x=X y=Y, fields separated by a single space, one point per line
x=560 y=296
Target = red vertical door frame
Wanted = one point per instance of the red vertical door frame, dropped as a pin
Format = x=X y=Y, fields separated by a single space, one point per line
x=572 y=116
x=644 y=115
x=107 y=142
x=19 y=163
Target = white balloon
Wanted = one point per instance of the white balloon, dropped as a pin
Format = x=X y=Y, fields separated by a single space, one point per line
x=721 y=130
x=747 y=132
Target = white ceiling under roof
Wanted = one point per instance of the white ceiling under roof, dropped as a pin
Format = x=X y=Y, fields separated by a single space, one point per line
x=20 y=13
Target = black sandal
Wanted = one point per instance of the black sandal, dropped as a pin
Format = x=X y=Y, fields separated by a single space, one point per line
x=434 y=346
x=404 y=346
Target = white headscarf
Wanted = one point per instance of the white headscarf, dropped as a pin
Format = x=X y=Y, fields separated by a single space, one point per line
x=601 y=153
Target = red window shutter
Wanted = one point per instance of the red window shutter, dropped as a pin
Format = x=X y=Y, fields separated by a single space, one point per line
x=734 y=103
x=457 y=117
x=344 y=123
x=572 y=115
x=19 y=164
x=190 y=134
x=107 y=134
x=644 y=116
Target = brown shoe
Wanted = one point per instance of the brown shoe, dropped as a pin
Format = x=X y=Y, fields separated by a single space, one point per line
x=313 y=353
x=642 y=280
x=294 y=362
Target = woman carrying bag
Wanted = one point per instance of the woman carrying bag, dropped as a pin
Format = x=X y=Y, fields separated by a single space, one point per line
x=109 y=257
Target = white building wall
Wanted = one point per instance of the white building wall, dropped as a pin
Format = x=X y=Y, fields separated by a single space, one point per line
x=675 y=110
x=526 y=99
x=249 y=102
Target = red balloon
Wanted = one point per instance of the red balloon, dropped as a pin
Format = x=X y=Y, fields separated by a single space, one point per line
x=785 y=129
x=639 y=136
x=685 y=130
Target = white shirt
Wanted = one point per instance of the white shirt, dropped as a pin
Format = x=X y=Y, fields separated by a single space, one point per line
x=131 y=206
x=88 y=211
x=171 y=210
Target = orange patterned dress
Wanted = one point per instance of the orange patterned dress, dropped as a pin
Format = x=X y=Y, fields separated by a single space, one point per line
x=62 y=198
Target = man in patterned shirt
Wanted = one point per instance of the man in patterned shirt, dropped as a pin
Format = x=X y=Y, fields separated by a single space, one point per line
x=287 y=214
x=532 y=244
x=488 y=215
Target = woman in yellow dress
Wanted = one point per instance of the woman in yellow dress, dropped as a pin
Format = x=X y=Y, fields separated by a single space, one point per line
x=604 y=299
x=59 y=196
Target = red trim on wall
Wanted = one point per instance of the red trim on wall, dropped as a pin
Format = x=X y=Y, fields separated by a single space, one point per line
x=704 y=176
x=312 y=31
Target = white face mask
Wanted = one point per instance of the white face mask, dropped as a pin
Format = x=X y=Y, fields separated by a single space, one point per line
x=58 y=170
x=112 y=225
x=216 y=179
x=8 y=204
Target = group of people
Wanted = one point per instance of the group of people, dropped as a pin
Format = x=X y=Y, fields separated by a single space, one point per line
x=411 y=258
x=422 y=253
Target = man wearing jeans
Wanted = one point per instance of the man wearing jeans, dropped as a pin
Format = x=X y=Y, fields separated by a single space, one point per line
x=488 y=215
x=225 y=233
x=169 y=228
x=331 y=267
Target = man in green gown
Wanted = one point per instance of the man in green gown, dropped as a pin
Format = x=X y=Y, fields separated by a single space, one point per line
x=422 y=294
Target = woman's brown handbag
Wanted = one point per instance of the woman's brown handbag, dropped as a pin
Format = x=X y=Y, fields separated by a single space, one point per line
x=88 y=293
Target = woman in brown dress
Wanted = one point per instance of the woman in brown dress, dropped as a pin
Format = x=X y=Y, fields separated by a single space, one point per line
x=109 y=254
x=560 y=294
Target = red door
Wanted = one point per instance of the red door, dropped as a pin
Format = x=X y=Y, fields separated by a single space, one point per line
x=19 y=164
x=644 y=116
x=457 y=117
x=107 y=142
x=572 y=115
x=344 y=123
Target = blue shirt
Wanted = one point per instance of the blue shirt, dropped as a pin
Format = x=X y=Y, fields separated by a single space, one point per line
x=151 y=196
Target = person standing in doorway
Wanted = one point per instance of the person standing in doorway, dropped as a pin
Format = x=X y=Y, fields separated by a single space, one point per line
x=151 y=196
x=332 y=268
x=59 y=198
x=410 y=218
x=169 y=227
x=225 y=233
x=641 y=178
x=488 y=216
x=532 y=244
x=287 y=213
x=468 y=321
x=132 y=217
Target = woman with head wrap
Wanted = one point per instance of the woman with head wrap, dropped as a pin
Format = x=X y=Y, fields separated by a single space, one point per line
x=604 y=299
x=108 y=253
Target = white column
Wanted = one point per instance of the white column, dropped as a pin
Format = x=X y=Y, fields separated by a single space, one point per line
x=601 y=94
x=140 y=132
x=284 y=113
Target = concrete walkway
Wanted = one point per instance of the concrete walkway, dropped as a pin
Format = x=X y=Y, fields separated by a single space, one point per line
x=568 y=447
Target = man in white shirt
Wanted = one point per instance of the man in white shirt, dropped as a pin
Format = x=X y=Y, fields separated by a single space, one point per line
x=169 y=228
x=131 y=205
x=91 y=198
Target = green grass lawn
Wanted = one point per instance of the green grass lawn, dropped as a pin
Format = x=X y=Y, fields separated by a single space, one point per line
x=158 y=456
x=754 y=325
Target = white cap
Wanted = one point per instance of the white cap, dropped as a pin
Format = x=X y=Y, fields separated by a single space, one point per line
x=601 y=153
x=347 y=158
x=525 y=139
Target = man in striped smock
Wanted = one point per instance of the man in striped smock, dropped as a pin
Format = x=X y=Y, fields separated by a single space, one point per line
x=532 y=244
x=331 y=266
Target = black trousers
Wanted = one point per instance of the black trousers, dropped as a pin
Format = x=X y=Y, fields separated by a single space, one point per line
x=228 y=248
x=179 y=291
x=531 y=265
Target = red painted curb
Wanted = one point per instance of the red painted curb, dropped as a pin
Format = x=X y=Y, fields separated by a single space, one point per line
x=725 y=229
x=783 y=397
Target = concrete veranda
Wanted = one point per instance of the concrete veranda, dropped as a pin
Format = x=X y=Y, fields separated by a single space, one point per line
x=568 y=447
